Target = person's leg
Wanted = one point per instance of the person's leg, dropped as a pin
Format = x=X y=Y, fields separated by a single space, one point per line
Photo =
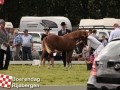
x=7 y=58
x=17 y=57
x=29 y=52
x=1 y=58
x=43 y=57
x=24 y=53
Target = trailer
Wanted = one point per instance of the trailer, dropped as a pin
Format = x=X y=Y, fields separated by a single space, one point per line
x=33 y=23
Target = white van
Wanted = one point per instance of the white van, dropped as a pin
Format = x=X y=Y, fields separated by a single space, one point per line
x=38 y=23
x=103 y=26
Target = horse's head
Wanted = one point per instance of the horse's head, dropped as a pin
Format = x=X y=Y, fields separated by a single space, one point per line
x=84 y=37
x=78 y=34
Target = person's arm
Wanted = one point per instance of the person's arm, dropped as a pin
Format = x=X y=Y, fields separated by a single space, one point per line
x=32 y=46
x=68 y=31
x=59 y=33
x=88 y=48
x=31 y=43
x=111 y=36
x=4 y=42
x=1 y=40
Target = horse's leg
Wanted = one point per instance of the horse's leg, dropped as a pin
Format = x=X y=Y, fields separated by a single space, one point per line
x=52 y=62
x=49 y=61
x=64 y=58
x=69 y=58
x=43 y=58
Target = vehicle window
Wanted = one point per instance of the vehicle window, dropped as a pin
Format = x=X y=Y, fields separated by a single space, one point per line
x=36 y=38
x=49 y=23
x=111 y=50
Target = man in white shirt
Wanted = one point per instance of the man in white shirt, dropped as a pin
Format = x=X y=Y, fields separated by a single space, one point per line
x=94 y=34
x=27 y=45
x=115 y=33
x=95 y=44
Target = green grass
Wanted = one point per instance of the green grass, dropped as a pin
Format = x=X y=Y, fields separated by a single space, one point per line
x=77 y=75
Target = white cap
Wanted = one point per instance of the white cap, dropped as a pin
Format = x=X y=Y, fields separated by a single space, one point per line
x=8 y=25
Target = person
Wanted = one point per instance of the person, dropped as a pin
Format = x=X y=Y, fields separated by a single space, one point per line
x=17 y=42
x=4 y=46
x=62 y=32
x=104 y=40
x=94 y=34
x=11 y=38
x=27 y=45
x=95 y=44
x=90 y=31
x=46 y=55
x=115 y=33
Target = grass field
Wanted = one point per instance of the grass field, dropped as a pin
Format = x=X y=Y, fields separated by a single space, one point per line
x=54 y=76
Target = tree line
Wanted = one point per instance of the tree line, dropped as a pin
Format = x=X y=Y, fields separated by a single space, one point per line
x=75 y=10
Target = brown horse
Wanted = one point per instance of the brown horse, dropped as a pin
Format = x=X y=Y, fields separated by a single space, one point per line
x=64 y=43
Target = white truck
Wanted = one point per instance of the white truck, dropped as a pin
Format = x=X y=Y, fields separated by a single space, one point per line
x=33 y=23
x=103 y=26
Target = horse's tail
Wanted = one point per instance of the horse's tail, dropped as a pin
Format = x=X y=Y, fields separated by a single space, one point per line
x=45 y=46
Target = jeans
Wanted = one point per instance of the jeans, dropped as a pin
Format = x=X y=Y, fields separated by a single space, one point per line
x=27 y=53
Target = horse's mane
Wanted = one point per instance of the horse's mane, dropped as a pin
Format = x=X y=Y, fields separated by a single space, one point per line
x=76 y=34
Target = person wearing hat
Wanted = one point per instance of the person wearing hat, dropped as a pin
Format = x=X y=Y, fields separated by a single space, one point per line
x=46 y=30
x=27 y=45
x=62 y=32
x=46 y=55
x=4 y=46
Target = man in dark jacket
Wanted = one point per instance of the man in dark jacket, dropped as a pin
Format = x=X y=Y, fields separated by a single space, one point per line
x=62 y=32
x=4 y=46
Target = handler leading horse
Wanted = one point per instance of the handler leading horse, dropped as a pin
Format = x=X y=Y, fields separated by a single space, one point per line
x=64 y=43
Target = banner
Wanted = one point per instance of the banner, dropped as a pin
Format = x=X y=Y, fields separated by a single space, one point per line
x=1 y=2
